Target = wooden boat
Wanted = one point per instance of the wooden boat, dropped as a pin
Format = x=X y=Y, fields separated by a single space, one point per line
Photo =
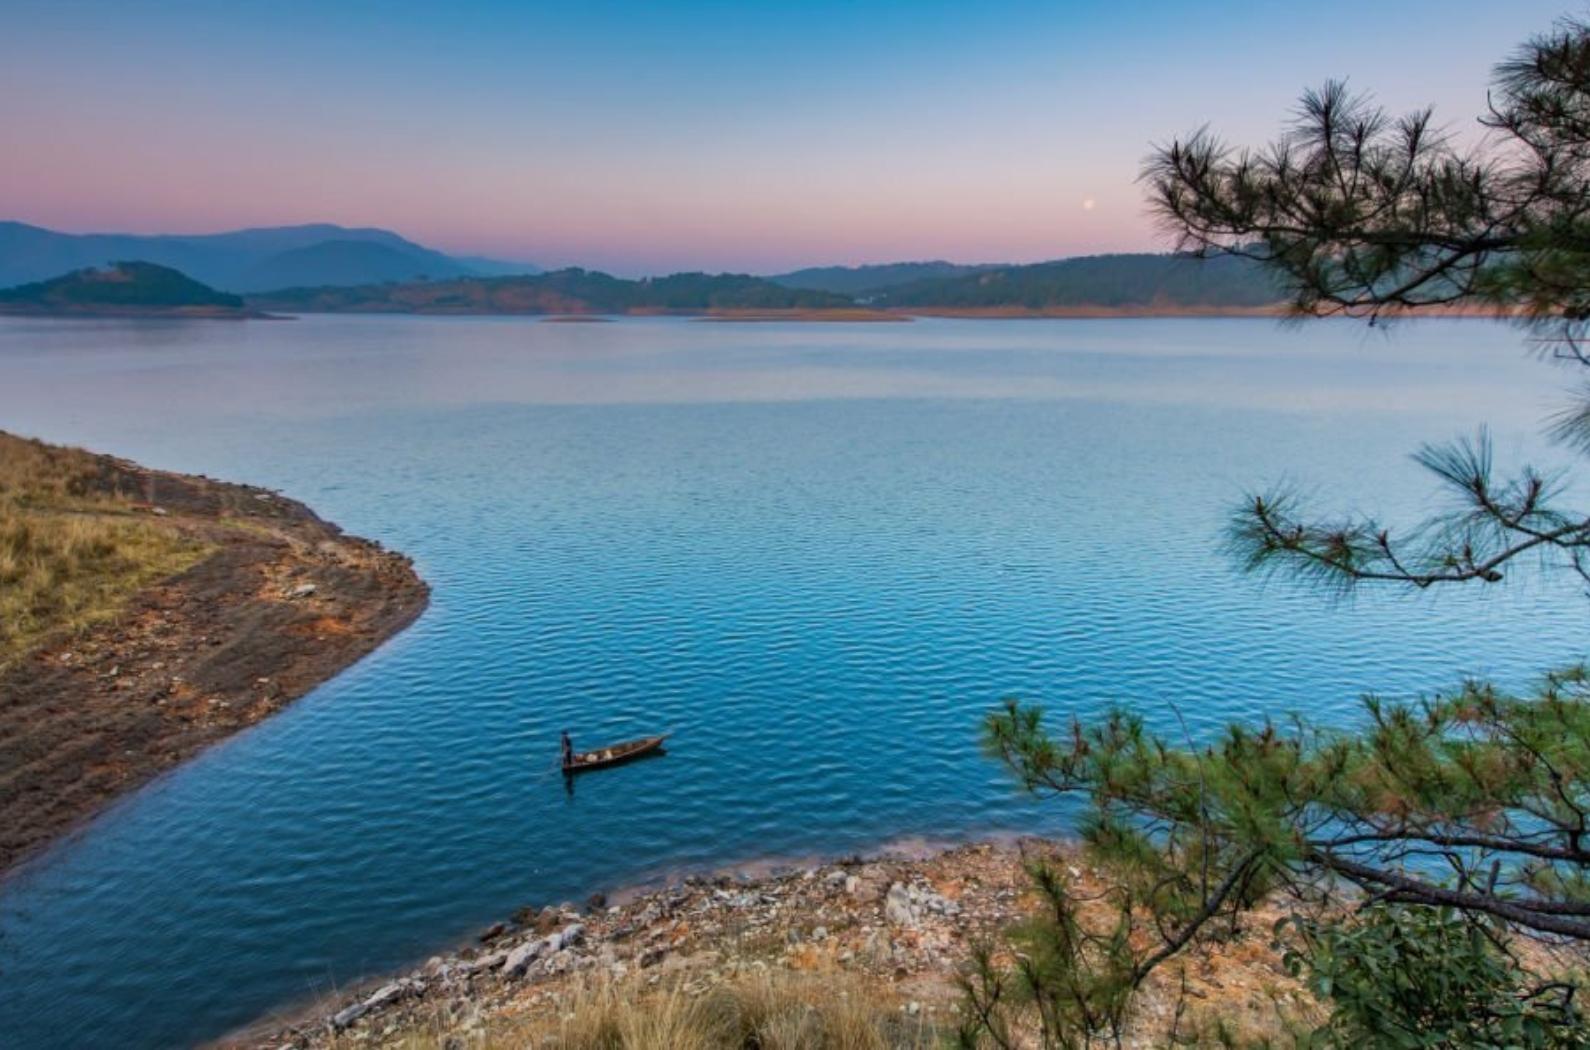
x=614 y=755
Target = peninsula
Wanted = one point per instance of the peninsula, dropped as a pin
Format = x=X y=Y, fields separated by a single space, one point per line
x=145 y=615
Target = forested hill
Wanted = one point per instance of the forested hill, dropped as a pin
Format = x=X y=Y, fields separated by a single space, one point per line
x=1103 y=283
x=122 y=288
x=572 y=291
x=869 y=280
x=244 y=261
x=1112 y=282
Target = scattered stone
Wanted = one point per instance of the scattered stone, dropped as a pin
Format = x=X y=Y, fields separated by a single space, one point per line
x=345 y=1017
x=884 y=921
x=897 y=906
x=484 y=962
x=387 y=994
x=519 y=960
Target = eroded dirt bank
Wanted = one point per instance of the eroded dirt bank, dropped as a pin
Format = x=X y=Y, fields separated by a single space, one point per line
x=281 y=602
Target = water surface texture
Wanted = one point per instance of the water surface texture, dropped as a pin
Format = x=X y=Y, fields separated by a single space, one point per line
x=816 y=553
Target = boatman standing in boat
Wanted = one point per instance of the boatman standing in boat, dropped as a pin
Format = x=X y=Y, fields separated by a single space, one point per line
x=568 y=749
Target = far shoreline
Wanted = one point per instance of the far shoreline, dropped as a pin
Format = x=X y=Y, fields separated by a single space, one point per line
x=896 y=315
x=135 y=313
x=842 y=315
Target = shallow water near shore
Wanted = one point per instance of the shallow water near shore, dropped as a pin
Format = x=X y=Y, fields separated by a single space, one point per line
x=817 y=554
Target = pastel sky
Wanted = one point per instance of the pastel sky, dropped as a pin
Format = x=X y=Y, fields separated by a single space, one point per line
x=651 y=137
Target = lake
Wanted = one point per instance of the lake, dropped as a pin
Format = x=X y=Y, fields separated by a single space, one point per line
x=816 y=553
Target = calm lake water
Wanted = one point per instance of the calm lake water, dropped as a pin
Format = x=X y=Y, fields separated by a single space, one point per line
x=817 y=553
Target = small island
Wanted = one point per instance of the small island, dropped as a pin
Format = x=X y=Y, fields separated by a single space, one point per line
x=123 y=289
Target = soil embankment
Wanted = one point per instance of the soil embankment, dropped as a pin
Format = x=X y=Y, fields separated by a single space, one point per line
x=278 y=602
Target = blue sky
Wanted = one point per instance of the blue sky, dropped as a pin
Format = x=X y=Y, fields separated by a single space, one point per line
x=650 y=137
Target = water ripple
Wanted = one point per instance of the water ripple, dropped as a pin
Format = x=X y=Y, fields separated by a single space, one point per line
x=821 y=598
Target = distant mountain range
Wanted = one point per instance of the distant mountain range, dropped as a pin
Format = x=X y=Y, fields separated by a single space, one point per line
x=1124 y=282
x=571 y=291
x=335 y=268
x=1140 y=284
x=243 y=261
x=864 y=282
x=136 y=289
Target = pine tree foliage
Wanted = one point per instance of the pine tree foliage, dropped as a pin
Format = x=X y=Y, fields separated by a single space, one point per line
x=1426 y=856
x=1363 y=213
x=1426 y=977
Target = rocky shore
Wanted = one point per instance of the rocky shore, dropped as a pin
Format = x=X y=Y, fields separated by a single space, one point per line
x=280 y=602
x=896 y=929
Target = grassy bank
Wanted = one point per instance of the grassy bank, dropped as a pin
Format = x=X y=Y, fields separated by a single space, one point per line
x=74 y=547
x=146 y=614
x=768 y=1011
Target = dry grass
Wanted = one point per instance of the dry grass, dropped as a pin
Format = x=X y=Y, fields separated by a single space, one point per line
x=71 y=551
x=779 y=1011
x=32 y=472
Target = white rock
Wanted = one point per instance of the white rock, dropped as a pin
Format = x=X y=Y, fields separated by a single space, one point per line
x=386 y=995
x=897 y=906
x=519 y=960
x=345 y=1017
x=572 y=934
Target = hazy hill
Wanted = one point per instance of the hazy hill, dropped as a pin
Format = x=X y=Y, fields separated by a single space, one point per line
x=571 y=291
x=864 y=281
x=481 y=266
x=125 y=287
x=347 y=262
x=1126 y=283
x=1106 y=281
x=241 y=260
